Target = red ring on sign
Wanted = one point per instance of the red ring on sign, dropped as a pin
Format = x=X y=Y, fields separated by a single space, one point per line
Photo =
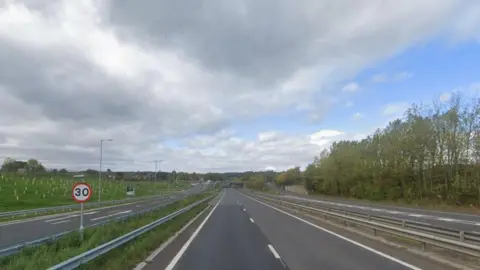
x=89 y=194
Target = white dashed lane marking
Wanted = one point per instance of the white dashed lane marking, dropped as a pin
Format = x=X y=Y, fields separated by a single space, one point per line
x=416 y=215
x=119 y=213
x=274 y=252
x=61 y=218
x=60 y=222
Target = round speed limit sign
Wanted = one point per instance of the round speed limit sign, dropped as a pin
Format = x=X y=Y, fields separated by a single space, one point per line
x=81 y=192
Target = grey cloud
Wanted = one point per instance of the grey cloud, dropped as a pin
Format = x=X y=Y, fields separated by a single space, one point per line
x=67 y=87
x=266 y=40
x=68 y=90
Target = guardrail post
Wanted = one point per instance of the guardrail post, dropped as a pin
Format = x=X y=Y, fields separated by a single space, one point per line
x=403 y=223
x=462 y=236
x=369 y=217
x=374 y=232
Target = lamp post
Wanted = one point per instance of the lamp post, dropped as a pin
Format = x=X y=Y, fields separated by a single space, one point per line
x=155 y=179
x=100 y=171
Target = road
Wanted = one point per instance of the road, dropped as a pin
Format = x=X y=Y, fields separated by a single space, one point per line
x=465 y=222
x=242 y=233
x=17 y=232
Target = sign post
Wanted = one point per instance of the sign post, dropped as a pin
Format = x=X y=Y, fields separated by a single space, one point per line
x=81 y=193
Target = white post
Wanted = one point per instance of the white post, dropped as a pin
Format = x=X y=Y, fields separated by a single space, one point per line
x=81 y=221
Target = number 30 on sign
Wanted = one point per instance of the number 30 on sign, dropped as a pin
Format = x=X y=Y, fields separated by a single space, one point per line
x=81 y=192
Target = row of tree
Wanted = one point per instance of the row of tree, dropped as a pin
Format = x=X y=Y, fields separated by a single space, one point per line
x=31 y=165
x=433 y=153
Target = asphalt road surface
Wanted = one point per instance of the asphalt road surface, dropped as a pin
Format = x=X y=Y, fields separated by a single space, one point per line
x=243 y=233
x=465 y=222
x=229 y=240
x=17 y=232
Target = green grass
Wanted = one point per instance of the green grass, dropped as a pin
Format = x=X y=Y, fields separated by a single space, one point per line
x=26 y=192
x=70 y=245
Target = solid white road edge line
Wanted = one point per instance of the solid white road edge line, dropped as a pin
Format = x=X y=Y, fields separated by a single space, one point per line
x=252 y=220
x=165 y=244
x=180 y=253
x=340 y=236
x=275 y=253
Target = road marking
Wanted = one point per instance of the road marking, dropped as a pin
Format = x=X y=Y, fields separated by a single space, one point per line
x=447 y=219
x=180 y=253
x=42 y=217
x=60 y=222
x=57 y=219
x=416 y=215
x=252 y=220
x=154 y=254
x=140 y=266
x=116 y=214
x=341 y=237
x=275 y=254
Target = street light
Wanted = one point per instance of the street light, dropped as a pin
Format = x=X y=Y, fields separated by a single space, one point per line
x=100 y=171
x=155 y=181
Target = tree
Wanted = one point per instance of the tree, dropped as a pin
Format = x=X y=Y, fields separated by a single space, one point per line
x=173 y=176
x=432 y=153
x=9 y=165
x=34 y=166
x=119 y=176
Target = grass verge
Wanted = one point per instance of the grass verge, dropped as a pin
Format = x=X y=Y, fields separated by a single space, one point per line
x=70 y=245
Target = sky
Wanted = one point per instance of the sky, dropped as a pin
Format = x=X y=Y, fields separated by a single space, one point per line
x=215 y=86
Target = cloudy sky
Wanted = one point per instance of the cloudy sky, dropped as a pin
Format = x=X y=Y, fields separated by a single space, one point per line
x=220 y=85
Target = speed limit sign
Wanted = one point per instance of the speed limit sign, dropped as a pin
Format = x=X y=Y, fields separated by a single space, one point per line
x=81 y=192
